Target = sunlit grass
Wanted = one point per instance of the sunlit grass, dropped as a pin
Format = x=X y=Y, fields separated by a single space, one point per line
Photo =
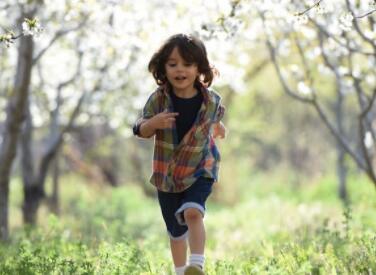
x=274 y=228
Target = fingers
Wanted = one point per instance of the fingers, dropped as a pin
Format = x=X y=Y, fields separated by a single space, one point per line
x=171 y=114
x=166 y=112
x=169 y=122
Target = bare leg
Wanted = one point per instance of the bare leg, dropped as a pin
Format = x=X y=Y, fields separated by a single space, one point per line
x=179 y=252
x=194 y=220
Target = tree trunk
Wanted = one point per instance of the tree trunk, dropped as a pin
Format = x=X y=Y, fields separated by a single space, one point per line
x=4 y=199
x=341 y=153
x=54 y=200
x=32 y=192
x=13 y=122
x=342 y=175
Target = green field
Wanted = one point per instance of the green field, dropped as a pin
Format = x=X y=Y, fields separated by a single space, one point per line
x=272 y=228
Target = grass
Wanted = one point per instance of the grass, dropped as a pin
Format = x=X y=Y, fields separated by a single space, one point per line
x=273 y=228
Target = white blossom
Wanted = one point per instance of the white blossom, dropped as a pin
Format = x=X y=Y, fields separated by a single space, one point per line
x=324 y=69
x=296 y=71
x=304 y=89
x=31 y=27
x=368 y=140
x=300 y=20
x=370 y=79
x=370 y=34
x=7 y=39
x=285 y=48
x=346 y=21
x=356 y=72
x=320 y=9
x=343 y=70
x=314 y=53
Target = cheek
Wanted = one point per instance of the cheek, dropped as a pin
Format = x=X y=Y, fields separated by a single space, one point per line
x=195 y=72
x=168 y=71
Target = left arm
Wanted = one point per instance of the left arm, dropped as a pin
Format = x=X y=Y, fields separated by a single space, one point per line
x=219 y=130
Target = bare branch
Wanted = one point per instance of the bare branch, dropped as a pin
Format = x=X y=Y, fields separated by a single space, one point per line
x=318 y=3
x=58 y=35
x=370 y=104
x=303 y=58
x=257 y=69
x=309 y=8
x=60 y=87
x=338 y=136
x=339 y=42
x=283 y=81
x=365 y=14
x=6 y=6
x=358 y=29
x=313 y=102
x=368 y=159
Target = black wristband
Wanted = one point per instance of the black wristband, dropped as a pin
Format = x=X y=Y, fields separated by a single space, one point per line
x=136 y=129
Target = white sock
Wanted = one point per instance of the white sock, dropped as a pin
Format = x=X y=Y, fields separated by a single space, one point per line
x=197 y=259
x=180 y=270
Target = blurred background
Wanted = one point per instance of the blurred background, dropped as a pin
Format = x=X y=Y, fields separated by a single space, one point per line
x=297 y=180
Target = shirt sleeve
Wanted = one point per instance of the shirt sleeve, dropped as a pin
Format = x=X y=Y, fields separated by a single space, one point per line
x=150 y=109
x=219 y=113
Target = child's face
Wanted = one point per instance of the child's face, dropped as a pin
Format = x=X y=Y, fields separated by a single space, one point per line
x=180 y=74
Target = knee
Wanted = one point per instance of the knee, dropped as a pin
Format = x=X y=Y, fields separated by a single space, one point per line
x=192 y=215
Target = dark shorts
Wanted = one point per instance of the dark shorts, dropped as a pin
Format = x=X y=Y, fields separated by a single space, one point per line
x=174 y=204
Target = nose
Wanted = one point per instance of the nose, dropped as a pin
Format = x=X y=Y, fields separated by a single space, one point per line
x=180 y=67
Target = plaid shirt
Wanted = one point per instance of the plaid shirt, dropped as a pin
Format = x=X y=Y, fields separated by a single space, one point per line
x=177 y=166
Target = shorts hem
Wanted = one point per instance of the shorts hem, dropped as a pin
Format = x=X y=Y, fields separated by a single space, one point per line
x=181 y=237
x=179 y=212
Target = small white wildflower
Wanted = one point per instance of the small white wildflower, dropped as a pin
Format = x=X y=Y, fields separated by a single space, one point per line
x=304 y=89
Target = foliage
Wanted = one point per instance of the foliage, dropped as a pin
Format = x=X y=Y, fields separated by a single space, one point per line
x=275 y=228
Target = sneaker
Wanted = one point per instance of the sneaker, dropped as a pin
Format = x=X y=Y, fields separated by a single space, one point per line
x=193 y=270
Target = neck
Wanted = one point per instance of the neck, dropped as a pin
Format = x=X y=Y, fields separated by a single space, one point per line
x=185 y=93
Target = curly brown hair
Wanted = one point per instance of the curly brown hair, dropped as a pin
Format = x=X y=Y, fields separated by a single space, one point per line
x=192 y=50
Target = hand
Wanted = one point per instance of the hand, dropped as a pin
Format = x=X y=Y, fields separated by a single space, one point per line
x=219 y=130
x=163 y=120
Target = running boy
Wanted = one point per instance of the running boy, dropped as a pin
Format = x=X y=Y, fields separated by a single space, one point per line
x=184 y=116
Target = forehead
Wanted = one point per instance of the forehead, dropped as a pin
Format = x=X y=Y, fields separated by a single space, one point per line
x=175 y=55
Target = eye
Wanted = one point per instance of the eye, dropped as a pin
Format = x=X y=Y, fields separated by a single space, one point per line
x=171 y=64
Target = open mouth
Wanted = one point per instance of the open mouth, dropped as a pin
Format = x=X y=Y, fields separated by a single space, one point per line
x=179 y=78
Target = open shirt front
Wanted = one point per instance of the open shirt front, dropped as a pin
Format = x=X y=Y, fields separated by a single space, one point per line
x=177 y=166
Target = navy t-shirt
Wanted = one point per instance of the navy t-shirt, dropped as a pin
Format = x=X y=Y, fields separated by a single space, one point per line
x=187 y=109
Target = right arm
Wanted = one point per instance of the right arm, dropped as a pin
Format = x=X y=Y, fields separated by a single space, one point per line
x=162 y=120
